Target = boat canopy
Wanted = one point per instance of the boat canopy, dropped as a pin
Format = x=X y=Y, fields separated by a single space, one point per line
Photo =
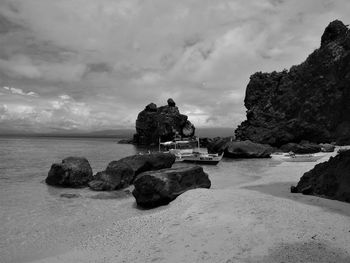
x=173 y=143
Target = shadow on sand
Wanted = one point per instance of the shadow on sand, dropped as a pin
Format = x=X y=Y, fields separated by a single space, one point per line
x=311 y=252
x=283 y=190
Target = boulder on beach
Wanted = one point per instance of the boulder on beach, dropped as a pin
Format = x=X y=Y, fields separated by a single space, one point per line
x=327 y=147
x=72 y=172
x=117 y=175
x=301 y=148
x=330 y=179
x=155 y=188
x=120 y=174
x=309 y=101
x=239 y=149
x=161 y=123
x=247 y=149
x=148 y=162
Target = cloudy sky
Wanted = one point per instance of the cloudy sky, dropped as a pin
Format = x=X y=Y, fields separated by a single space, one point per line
x=93 y=65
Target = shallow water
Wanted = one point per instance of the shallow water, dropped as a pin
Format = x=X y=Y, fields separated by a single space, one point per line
x=36 y=221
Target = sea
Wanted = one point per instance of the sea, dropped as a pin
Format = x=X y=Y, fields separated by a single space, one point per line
x=38 y=221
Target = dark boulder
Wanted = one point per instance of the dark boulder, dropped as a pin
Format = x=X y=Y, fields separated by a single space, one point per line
x=302 y=148
x=239 y=149
x=247 y=149
x=327 y=147
x=120 y=174
x=329 y=179
x=218 y=144
x=308 y=102
x=157 y=188
x=117 y=175
x=154 y=123
x=72 y=172
x=148 y=162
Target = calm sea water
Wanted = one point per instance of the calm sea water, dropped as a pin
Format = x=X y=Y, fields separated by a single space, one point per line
x=36 y=221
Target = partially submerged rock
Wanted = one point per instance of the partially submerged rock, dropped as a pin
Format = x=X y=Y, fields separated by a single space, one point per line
x=154 y=123
x=72 y=172
x=239 y=149
x=157 y=188
x=120 y=174
x=329 y=179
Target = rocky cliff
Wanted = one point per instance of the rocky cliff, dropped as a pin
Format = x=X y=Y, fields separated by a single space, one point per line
x=154 y=123
x=308 y=102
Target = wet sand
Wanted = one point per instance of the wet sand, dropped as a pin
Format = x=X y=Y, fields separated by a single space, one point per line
x=255 y=221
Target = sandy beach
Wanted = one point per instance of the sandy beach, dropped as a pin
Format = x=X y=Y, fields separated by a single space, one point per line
x=256 y=221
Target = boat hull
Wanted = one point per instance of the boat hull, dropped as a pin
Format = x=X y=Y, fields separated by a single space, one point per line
x=201 y=162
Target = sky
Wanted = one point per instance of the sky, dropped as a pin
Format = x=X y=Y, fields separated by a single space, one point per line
x=91 y=65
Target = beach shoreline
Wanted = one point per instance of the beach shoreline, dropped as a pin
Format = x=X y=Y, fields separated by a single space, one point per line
x=254 y=221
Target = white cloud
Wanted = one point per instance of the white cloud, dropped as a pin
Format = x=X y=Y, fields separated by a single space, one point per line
x=100 y=62
x=20 y=92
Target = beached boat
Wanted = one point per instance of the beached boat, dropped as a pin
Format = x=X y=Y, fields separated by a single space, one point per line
x=190 y=155
x=200 y=158
x=290 y=157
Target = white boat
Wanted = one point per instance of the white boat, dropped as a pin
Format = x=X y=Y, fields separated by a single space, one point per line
x=189 y=155
x=200 y=158
x=288 y=157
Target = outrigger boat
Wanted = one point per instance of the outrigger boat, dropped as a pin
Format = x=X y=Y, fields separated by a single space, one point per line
x=200 y=158
x=292 y=157
x=189 y=155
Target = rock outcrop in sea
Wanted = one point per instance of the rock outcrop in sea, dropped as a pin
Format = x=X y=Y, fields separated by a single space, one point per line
x=308 y=102
x=72 y=172
x=121 y=173
x=157 y=188
x=154 y=123
x=330 y=179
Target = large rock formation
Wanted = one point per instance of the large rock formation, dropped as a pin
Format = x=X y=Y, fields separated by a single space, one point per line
x=121 y=173
x=154 y=123
x=239 y=149
x=330 y=179
x=308 y=102
x=72 y=172
x=161 y=187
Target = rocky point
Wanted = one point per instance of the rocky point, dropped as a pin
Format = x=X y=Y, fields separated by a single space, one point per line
x=308 y=102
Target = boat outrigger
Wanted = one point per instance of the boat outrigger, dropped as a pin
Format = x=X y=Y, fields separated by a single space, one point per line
x=292 y=157
x=191 y=155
